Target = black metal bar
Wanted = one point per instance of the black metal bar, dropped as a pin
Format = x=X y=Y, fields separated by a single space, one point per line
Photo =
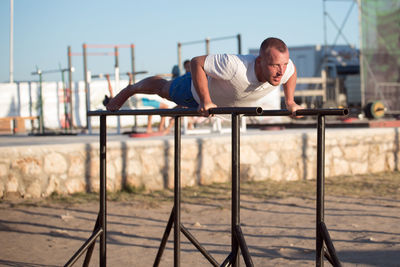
x=249 y=111
x=91 y=248
x=103 y=197
x=228 y=261
x=253 y=111
x=320 y=189
x=238 y=241
x=306 y=112
x=243 y=247
x=164 y=239
x=235 y=219
x=329 y=245
x=327 y=256
x=84 y=247
x=177 y=192
x=199 y=247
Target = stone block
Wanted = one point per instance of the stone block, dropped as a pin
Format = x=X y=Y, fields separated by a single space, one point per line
x=29 y=166
x=55 y=163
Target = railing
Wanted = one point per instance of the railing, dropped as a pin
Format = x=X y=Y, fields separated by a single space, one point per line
x=237 y=237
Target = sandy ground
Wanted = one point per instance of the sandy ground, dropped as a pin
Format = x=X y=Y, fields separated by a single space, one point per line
x=278 y=232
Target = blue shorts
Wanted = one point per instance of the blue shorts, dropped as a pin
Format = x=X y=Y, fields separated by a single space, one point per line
x=180 y=91
x=150 y=103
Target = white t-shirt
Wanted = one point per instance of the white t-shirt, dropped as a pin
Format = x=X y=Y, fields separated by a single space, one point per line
x=232 y=80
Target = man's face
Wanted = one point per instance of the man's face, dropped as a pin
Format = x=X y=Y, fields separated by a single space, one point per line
x=273 y=65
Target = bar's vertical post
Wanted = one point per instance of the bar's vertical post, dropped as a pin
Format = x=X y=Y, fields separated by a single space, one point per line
x=235 y=187
x=239 y=39
x=103 y=197
x=177 y=192
x=320 y=189
x=70 y=113
x=87 y=89
x=116 y=79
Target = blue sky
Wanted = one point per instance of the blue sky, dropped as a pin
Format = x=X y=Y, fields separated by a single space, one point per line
x=44 y=28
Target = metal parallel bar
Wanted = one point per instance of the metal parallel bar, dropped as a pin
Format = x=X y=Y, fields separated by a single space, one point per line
x=249 y=111
x=199 y=247
x=177 y=192
x=235 y=219
x=323 y=112
x=253 y=111
x=306 y=112
x=331 y=249
x=164 y=239
x=243 y=247
x=320 y=189
x=233 y=258
x=84 y=247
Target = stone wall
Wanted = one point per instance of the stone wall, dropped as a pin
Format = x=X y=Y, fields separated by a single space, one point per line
x=38 y=171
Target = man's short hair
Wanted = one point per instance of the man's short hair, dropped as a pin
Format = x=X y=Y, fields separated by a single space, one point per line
x=273 y=42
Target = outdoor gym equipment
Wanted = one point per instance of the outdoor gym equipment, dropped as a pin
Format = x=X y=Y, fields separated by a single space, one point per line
x=238 y=242
x=207 y=42
x=374 y=110
x=86 y=72
x=66 y=92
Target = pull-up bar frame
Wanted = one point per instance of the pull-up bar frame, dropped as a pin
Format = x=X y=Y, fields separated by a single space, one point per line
x=87 y=77
x=238 y=242
x=207 y=43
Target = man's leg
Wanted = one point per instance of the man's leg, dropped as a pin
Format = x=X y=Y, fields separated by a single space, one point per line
x=149 y=124
x=152 y=85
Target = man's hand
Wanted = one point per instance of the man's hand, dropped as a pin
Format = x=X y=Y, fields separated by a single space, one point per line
x=204 y=107
x=112 y=105
x=292 y=107
x=116 y=102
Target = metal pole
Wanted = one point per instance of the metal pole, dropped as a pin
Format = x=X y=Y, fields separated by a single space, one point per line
x=133 y=63
x=70 y=116
x=239 y=38
x=65 y=98
x=362 y=58
x=133 y=80
x=11 y=41
x=235 y=187
x=320 y=189
x=87 y=91
x=116 y=86
x=180 y=56
x=177 y=192
x=41 y=119
x=207 y=46
x=103 y=196
x=325 y=30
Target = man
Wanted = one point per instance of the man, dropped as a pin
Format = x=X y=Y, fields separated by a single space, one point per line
x=224 y=80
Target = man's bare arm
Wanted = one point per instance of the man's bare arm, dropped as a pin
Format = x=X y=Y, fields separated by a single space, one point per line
x=200 y=83
x=289 y=88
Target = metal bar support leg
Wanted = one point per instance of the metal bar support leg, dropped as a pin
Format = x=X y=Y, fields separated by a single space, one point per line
x=177 y=192
x=235 y=219
x=320 y=189
x=103 y=196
